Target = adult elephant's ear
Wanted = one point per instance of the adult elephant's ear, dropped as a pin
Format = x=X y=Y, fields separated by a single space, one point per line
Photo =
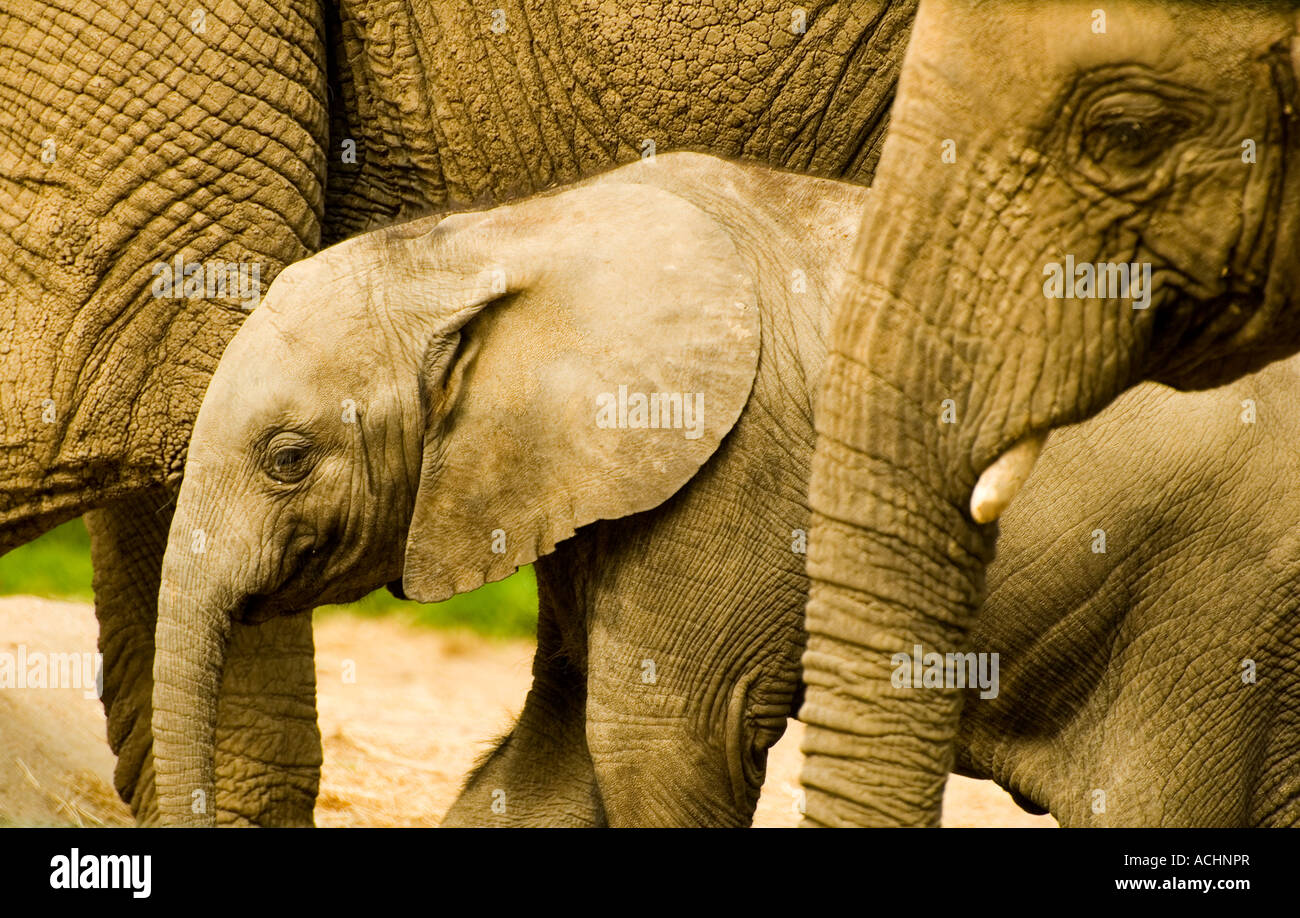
x=605 y=342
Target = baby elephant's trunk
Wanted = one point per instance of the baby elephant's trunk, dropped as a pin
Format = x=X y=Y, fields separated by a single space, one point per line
x=194 y=614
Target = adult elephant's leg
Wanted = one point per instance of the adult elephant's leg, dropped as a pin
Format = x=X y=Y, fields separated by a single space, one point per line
x=541 y=773
x=269 y=751
x=126 y=549
x=268 y=743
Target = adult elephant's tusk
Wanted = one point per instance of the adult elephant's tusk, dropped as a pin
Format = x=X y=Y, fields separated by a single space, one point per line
x=1002 y=480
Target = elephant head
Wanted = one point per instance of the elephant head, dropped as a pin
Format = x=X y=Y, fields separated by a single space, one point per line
x=1115 y=200
x=440 y=402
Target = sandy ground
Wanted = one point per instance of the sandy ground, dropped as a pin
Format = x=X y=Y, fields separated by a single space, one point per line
x=386 y=763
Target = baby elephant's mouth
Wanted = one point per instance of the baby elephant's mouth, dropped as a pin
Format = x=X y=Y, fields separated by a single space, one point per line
x=315 y=578
x=258 y=609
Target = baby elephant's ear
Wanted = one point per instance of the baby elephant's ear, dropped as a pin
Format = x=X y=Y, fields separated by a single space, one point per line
x=620 y=353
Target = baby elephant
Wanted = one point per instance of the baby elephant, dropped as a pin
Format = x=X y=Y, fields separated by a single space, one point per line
x=615 y=381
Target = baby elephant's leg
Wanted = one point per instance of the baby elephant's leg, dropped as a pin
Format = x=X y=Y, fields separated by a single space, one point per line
x=692 y=676
x=540 y=774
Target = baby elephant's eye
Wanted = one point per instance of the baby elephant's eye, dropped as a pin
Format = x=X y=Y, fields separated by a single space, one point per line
x=288 y=462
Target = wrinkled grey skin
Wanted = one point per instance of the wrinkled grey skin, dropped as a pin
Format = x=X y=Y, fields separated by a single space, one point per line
x=1122 y=147
x=707 y=584
x=1154 y=683
x=226 y=139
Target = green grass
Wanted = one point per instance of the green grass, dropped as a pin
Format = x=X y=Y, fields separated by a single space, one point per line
x=506 y=609
x=57 y=565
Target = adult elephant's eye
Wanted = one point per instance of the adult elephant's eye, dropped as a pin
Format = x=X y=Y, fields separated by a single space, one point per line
x=1128 y=139
x=1131 y=132
x=288 y=462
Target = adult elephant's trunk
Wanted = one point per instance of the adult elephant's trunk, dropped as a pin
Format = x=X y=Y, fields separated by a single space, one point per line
x=943 y=358
x=194 y=623
x=896 y=563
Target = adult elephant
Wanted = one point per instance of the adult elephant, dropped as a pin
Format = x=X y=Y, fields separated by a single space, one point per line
x=990 y=298
x=1145 y=607
x=249 y=135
